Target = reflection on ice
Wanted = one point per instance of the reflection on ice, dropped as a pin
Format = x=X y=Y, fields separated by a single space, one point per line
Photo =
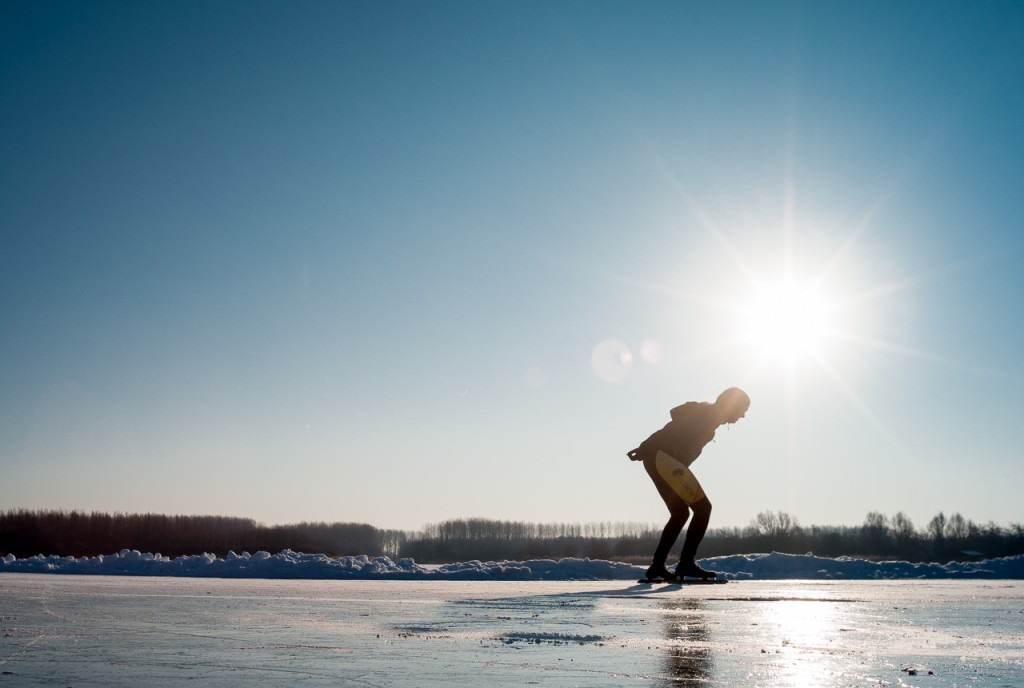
x=689 y=657
x=805 y=636
x=799 y=640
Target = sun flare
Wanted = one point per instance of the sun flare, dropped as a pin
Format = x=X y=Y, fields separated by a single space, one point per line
x=786 y=319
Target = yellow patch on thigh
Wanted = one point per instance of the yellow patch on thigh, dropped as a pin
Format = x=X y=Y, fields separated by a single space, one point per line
x=680 y=478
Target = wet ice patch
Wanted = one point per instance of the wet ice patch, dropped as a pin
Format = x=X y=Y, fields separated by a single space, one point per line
x=514 y=621
x=549 y=638
x=917 y=670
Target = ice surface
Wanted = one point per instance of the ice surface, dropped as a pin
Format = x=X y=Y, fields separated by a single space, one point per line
x=295 y=565
x=151 y=631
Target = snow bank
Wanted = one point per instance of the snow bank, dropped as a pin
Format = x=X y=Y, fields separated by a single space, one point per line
x=777 y=566
x=289 y=564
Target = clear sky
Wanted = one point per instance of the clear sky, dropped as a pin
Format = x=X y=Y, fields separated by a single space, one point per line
x=403 y=262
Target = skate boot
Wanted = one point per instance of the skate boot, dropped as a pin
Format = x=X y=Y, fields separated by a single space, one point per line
x=657 y=573
x=689 y=569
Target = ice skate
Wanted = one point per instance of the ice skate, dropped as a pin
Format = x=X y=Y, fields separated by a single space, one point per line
x=689 y=569
x=657 y=573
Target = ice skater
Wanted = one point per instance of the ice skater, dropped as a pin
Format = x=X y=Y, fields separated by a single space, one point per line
x=667 y=455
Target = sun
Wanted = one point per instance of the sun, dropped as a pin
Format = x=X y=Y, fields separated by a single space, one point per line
x=786 y=319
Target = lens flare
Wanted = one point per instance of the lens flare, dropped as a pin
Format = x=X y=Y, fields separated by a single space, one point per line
x=652 y=351
x=611 y=361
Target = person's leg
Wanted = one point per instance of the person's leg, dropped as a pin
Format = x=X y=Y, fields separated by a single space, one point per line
x=679 y=511
x=694 y=536
x=669 y=535
x=698 y=527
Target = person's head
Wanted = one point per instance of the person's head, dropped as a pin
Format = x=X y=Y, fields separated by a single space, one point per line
x=732 y=404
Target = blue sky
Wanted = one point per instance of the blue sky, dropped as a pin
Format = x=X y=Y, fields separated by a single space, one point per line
x=403 y=262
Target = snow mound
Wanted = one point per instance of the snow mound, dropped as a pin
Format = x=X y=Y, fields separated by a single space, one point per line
x=776 y=566
x=296 y=565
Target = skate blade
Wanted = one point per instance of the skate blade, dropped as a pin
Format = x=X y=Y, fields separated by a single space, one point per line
x=684 y=581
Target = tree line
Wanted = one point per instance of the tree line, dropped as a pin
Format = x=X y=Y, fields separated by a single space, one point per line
x=71 y=533
x=944 y=538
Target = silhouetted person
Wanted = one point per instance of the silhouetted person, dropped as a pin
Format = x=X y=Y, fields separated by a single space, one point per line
x=667 y=455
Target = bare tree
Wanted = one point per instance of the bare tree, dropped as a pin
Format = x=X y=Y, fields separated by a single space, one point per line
x=957 y=527
x=775 y=524
x=875 y=532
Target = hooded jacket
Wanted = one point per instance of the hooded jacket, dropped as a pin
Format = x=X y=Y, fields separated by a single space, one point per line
x=692 y=426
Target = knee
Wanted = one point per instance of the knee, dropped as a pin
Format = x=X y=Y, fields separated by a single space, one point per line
x=680 y=511
x=702 y=507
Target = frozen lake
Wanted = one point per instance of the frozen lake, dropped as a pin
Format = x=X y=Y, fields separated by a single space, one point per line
x=133 y=631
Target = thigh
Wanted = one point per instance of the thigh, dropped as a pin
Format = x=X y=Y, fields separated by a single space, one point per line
x=679 y=478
